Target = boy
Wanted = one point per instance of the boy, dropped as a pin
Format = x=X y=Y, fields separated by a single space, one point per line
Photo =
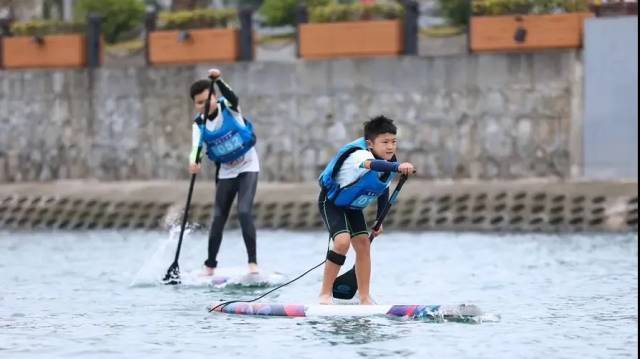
x=360 y=173
x=229 y=141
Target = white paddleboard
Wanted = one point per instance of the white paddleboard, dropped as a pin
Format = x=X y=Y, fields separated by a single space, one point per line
x=464 y=313
x=233 y=277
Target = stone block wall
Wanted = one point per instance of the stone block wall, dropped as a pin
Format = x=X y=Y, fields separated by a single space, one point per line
x=479 y=117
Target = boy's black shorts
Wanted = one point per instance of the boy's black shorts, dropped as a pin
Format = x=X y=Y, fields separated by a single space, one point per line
x=341 y=220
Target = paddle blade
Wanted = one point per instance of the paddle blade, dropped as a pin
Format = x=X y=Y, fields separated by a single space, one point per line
x=346 y=285
x=173 y=275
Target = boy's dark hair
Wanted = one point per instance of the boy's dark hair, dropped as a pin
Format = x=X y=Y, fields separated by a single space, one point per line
x=378 y=126
x=199 y=86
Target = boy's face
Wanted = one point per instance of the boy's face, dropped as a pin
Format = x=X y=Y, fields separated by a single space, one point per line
x=200 y=99
x=383 y=146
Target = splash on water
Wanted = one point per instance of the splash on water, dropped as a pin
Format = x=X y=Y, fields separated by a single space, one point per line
x=152 y=271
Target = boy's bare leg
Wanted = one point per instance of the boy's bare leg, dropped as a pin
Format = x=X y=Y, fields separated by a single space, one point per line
x=341 y=246
x=362 y=247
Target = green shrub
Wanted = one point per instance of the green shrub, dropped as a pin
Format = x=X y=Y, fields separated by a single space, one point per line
x=381 y=10
x=511 y=7
x=46 y=27
x=456 y=11
x=278 y=12
x=283 y=12
x=198 y=19
x=118 y=16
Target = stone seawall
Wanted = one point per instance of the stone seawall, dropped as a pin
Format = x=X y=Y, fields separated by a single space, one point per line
x=477 y=117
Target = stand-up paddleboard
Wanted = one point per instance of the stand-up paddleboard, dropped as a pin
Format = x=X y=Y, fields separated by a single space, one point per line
x=464 y=313
x=249 y=280
x=233 y=277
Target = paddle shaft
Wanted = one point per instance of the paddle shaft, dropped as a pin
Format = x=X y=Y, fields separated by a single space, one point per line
x=185 y=217
x=385 y=211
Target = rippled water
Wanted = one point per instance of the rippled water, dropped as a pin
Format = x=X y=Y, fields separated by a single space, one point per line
x=67 y=294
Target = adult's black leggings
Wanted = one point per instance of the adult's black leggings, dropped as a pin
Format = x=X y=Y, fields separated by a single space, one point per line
x=245 y=187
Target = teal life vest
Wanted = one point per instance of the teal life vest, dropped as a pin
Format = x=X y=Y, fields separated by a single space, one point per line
x=229 y=142
x=359 y=194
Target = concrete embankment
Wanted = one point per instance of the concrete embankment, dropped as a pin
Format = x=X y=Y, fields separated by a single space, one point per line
x=523 y=205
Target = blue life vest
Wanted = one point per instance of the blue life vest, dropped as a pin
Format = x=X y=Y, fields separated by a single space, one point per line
x=361 y=193
x=229 y=142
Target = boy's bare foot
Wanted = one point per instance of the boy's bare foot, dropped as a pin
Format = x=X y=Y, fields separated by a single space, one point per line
x=207 y=272
x=325 y=299
x=253 y=268
x=366 y=300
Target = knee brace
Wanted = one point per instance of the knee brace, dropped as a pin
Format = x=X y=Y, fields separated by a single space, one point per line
x=335 y=257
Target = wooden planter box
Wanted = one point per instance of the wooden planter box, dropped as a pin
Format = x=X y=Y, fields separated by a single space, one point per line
x=351 y=39
x=498 y=33
x=193 y=46
x=53 y=51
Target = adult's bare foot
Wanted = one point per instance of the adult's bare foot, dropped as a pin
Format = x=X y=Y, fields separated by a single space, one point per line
x=253 y=268
x=207 y=272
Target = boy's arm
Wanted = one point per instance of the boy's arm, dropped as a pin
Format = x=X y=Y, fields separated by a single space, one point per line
x=228 y=94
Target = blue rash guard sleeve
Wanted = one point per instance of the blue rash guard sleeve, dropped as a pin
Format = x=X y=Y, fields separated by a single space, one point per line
x=383 y=166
